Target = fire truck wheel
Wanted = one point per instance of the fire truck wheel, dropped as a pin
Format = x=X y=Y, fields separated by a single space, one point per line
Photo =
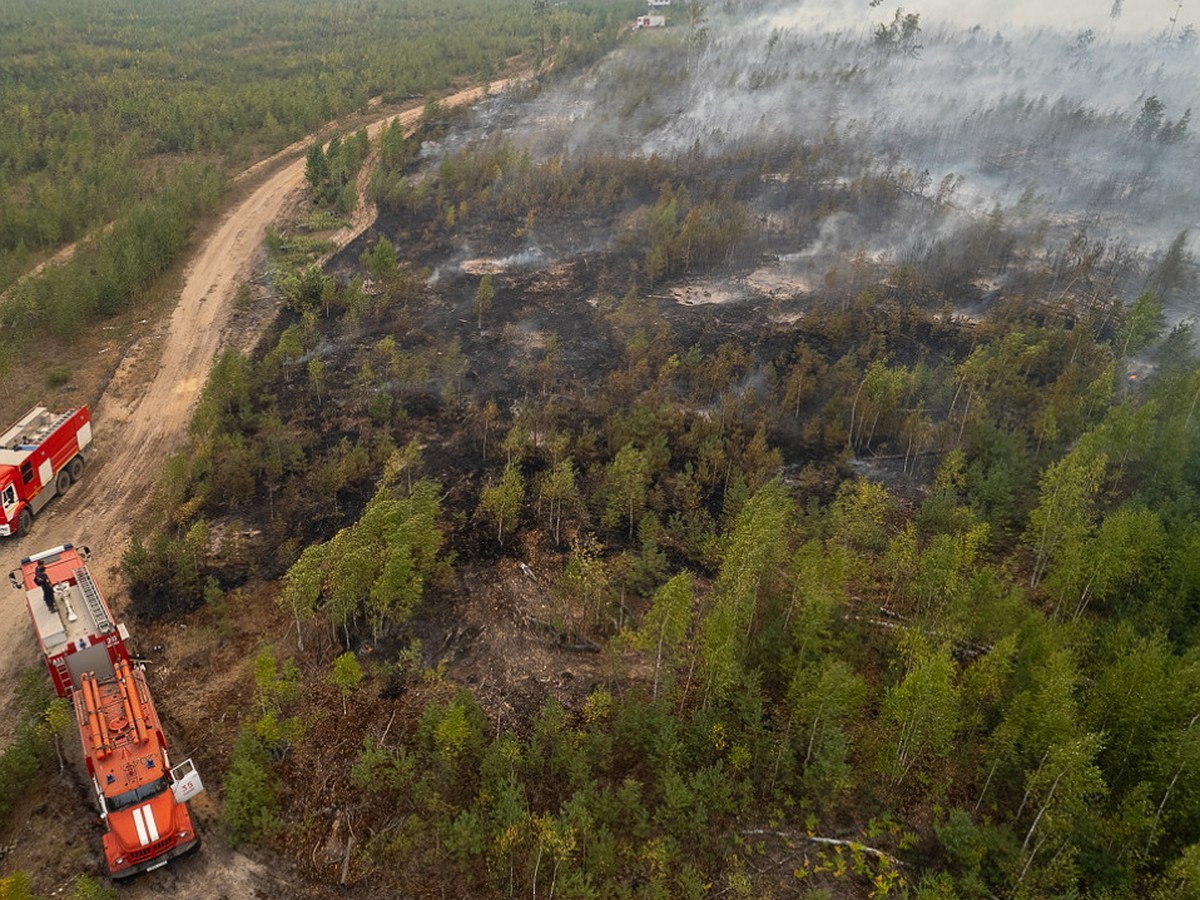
x=24 y=523
x=75 y=468
x=62 y=482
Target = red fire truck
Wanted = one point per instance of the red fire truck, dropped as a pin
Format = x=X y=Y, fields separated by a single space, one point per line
x=41 y=456
x=142 y=799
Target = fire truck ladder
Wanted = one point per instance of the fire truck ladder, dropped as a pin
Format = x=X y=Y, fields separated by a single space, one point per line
x=64 y=672
x=91 y=596
x=47 y=429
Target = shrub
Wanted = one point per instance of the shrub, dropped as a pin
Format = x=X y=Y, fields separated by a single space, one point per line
x=31 y=746
x=250 y=808
x=58 y=376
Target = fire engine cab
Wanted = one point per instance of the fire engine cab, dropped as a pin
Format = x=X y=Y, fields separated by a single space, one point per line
x=142 y=798
x=41 y=456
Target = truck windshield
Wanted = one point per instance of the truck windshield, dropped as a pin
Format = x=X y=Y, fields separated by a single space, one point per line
x=137 y=795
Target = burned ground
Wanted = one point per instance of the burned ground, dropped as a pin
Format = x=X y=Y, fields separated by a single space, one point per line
x=551 y=352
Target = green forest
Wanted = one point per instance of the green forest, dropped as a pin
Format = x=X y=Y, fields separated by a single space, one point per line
x=542 y=582
x=124 y=119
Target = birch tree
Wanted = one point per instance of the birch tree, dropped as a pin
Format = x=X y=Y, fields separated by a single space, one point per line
x=500 y=503
x=666 y=624
x=302 y=586
x=756 y=547
x=626 y=481
x=921 y=713
x=346 y=675
x=561 y=496
x=823 y=699
x=1064 y=516
x=1057 y=798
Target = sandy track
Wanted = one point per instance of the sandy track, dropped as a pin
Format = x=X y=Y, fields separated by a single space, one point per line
x=138 y=423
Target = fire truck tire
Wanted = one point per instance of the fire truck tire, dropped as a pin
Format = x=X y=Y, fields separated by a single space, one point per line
x=75 y=468
x=62 y=481
x=24 y=522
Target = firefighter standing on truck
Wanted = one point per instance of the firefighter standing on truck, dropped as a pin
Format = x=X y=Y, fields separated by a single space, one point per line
x=42 y=579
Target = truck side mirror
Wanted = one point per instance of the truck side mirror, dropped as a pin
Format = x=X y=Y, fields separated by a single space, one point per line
x=85 y=553
x=12 y=579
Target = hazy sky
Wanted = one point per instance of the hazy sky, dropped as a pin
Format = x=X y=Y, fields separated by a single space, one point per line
x=1136 y=17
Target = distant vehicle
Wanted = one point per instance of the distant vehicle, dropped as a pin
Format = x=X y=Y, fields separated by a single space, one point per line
x=41 y=456
x=142 y=800
x=651 y=22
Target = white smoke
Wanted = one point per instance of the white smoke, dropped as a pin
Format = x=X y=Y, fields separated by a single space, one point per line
x=1002 y=98
x=1139 y=18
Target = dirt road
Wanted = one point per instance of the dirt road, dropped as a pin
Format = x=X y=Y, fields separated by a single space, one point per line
x=144 y=412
